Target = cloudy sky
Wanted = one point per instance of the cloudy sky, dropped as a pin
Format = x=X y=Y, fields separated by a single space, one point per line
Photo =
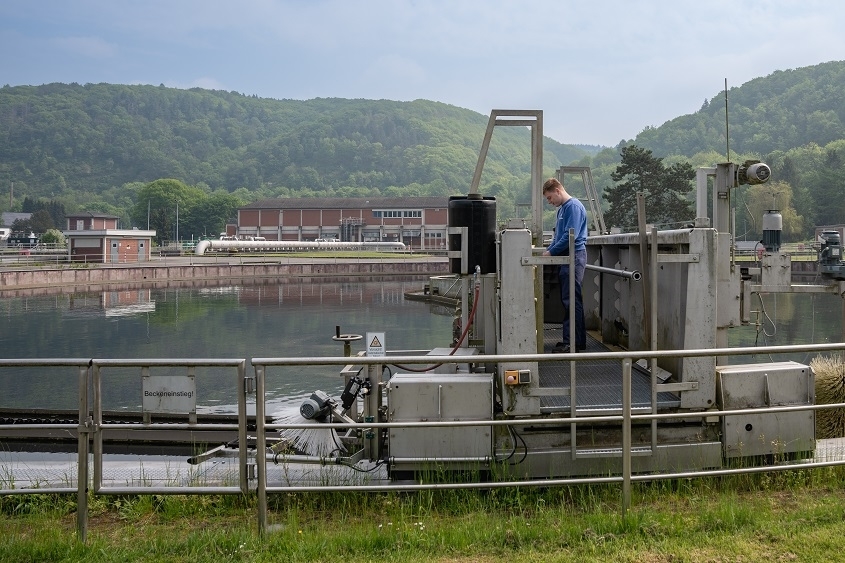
x=601 y=70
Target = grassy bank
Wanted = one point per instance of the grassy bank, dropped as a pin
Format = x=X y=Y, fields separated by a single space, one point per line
x=788 y=516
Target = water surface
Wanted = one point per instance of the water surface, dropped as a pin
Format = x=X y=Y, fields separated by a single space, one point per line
x=296 y=318
x=289 y=318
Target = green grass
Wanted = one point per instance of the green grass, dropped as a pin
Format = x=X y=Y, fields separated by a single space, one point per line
x=787 y=516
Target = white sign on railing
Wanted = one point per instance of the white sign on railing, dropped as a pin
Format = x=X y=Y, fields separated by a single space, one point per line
x=170 y=394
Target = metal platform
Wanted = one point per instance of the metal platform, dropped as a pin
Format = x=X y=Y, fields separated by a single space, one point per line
x=598 y=382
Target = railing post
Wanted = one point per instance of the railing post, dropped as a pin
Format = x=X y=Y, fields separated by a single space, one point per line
x=82 y=457
x=98 y=435
x=242 y=427
x=260 y=456
x=653 y=336
x=573 y=346
x=626 y=435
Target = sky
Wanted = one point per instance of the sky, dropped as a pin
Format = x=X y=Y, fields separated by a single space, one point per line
x=600 y=70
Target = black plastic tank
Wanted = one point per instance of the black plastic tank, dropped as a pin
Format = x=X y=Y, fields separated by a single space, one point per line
x=478 y=215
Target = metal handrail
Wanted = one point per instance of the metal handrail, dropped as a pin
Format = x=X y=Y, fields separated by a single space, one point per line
x=98 y=424
x=82 y=427
x=627 y=418
x=90 y=424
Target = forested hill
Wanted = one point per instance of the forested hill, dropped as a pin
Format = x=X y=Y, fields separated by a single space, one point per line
x=92 y=147
x=80 y=143
x=787 y=109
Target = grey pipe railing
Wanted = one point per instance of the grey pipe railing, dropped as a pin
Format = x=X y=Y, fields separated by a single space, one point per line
x=634 y=275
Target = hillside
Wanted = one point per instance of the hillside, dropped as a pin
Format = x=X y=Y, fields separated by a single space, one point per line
x=794 y=120
x=787 y=109
x=92 y=147
x=79 y=143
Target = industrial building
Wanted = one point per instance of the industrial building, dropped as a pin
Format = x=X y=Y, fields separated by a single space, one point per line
x=418 y=222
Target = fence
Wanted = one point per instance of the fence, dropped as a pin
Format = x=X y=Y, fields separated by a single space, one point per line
x=252 y=472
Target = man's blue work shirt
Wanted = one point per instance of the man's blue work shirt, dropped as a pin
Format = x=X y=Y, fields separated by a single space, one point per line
x=570 y=215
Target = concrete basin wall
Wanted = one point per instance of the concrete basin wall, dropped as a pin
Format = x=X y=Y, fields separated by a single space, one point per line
x=157 y=274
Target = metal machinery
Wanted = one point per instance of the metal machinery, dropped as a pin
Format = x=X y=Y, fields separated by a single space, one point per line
x=506 y=305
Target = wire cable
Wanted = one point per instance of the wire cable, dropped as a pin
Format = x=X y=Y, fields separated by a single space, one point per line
x=460 y=341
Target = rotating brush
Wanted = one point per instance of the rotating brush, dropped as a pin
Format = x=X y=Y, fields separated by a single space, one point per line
x=830 y=389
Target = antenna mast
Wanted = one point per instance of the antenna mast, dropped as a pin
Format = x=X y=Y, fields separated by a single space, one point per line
x=727 y=130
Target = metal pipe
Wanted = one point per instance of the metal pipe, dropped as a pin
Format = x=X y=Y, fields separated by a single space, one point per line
x=242 y=418
x=634 y=275
x=39 y=491
x=573 y=345
x=98 y=434
x=653 y=337
x=83 y=440
x=206 y=246
x=482 y=459
x=647 y=304
x=260 y=438
x=626 y=435
x=282 y=458
x=170 y=491
x=701 y=176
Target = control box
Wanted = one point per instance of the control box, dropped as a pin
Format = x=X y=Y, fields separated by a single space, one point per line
x=441 y=397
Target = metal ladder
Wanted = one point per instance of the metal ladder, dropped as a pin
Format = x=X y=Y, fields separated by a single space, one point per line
x=592 y=195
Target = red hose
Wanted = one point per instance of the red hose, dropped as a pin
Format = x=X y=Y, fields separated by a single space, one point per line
x=460 y=340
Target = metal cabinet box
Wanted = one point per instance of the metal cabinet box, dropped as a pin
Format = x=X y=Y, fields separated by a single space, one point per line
x=760 y=386
x=441 y=397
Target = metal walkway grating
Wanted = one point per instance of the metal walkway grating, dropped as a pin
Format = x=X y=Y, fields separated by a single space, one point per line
x=598 y=382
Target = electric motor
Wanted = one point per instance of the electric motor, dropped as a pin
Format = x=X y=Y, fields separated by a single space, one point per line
x=317 y=406
x=831 y=248
x=753 y=172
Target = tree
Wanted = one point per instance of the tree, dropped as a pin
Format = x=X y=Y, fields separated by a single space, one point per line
x=209 y=215
x=773 y=196
x=41 y=221
x=22 y=226
x=825 y=183
x=53 y=236
x=56 y=209
x=159 y=203
x=664 y=188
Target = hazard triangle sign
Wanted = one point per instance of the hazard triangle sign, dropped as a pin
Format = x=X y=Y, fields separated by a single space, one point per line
x=375 y=345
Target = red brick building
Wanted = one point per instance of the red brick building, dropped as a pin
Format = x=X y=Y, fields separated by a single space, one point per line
x=419 y=222
x=88 y=221
x=94 y=237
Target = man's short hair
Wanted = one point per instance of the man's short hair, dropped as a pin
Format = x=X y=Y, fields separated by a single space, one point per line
x=551 y=184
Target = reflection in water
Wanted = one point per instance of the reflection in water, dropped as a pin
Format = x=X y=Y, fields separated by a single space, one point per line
x=294 y=318
x=289 y=318
x=116 y=303
x=782 y=319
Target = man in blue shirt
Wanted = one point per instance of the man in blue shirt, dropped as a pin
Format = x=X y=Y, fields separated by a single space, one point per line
x=571 y=214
